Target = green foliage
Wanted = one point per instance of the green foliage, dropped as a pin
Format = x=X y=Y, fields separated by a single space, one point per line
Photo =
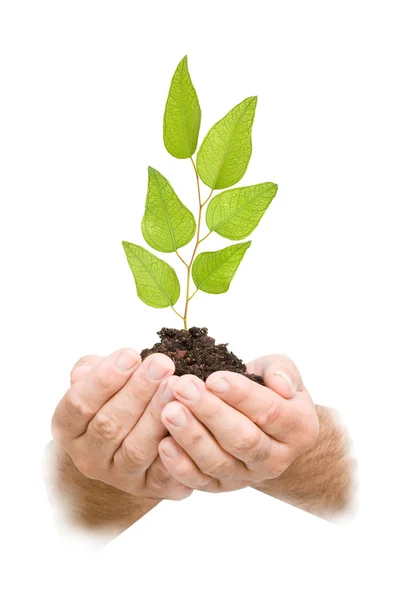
x=182 y=119
x=224 y=154
x=167 y=224
x=213 y=271
x=156 y=281
x=235 y=213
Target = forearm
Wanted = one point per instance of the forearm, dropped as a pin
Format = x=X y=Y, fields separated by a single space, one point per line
x=321 y=481
x=88 y=503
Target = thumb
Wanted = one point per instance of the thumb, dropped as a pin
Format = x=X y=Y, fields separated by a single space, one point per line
x=280 y=374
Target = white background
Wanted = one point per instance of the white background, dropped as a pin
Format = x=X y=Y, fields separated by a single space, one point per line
x=83 y=91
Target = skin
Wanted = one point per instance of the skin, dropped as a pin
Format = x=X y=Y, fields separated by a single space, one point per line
x=230 y=432
x=109 y=422
x=129 y=434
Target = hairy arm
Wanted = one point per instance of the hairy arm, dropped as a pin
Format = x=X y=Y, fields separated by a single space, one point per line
x=320 y=481
x=88 y=503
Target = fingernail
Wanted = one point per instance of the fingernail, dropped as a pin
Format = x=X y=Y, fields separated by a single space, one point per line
x=126 y=361
x=220 y=385
x=167 y=395
x=292 y=385
x=170 y=449
x=156 y=371
x=188 y=391
x=176 y=415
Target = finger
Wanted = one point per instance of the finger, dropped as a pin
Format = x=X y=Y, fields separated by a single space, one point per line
x=279 y=373
x=274 y=415
x=83 y=366
x=234 y=432
x=86 y=396
x=140 y=447
x=200 y=444
x=160 y=483
x=117 y=417
x=183 y=468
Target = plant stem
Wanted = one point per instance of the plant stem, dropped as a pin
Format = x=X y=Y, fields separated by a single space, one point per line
x=205 y=237
x=182 y=259
x=190 y=264
x=204 y=203
x=193 y=294
x=177 y=313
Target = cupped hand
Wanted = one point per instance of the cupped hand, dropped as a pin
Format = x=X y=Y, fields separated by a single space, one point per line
x=231 y=432
x=109 y=422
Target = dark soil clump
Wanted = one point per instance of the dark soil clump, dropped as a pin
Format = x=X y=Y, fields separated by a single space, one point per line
x=194 y=352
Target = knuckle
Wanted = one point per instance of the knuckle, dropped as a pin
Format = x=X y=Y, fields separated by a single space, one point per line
x=160 y=481
x=139 y=390
x=248 y=442
x=105 y=427
x=269 y=417
x=76 y=405
x=211 y=412
x=221 y=470
x=156 y=420
x=261 y=453
x=106 y=381
x=183 y=470
x=194 y=438
x=130 y=456
x=139 y=387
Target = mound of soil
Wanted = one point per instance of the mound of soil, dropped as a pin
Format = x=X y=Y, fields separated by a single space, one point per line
x=194 y=352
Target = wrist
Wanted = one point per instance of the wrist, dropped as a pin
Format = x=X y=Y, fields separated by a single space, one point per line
x=322 y=480
x=89 y=503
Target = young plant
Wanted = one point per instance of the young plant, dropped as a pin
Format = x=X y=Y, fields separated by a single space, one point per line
x=169 y=225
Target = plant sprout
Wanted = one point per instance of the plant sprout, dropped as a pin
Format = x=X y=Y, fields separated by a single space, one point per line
x=168 y=225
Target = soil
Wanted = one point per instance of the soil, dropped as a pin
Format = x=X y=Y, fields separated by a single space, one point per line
x=194 y=352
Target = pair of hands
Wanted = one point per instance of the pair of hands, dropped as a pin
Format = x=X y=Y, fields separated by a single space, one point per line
x=136 y=426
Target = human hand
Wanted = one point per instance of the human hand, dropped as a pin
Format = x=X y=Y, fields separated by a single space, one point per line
x=109 y=422
x=231 y=432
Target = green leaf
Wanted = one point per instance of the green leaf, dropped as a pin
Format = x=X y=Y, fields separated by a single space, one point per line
x=234 y=214
x=156 y=281
x=225 y=152
x=182 y=119
x=213 y=271
x=167 y=224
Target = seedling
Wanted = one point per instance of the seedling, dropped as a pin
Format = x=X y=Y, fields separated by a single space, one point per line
x=168 y=225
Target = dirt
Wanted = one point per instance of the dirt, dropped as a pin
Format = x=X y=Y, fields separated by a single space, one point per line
x=195 y=352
